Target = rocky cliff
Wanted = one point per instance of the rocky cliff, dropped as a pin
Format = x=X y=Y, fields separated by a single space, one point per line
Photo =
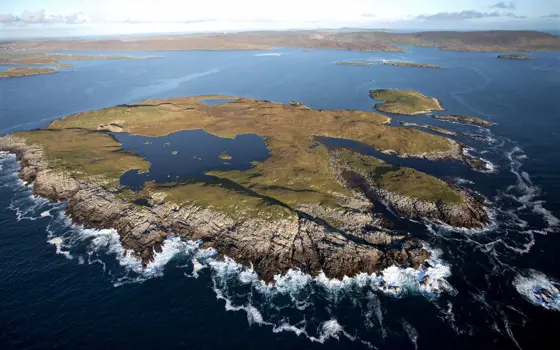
x=304 y=241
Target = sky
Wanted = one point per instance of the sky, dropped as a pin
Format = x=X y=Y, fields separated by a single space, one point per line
x=60 y=18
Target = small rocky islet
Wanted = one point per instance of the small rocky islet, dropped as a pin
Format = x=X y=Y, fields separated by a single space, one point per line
x=516 y=57
x=462 y=119
x=307 y=206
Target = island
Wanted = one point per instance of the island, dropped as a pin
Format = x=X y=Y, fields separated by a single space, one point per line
x=407 y=102
x=463 y=119
x=309 y=205
x=354 y=63
x=409 y=64
x=23 y=72
x=225 y=156
x=516 y=57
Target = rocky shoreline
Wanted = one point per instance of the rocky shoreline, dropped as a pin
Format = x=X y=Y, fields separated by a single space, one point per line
x=304 y=241
x=469 y=213
x=463 y=120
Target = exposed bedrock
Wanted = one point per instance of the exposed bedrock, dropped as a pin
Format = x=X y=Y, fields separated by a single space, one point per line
x=301 y=241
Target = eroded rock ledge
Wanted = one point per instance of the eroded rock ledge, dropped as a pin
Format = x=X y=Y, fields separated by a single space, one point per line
x=301 y=241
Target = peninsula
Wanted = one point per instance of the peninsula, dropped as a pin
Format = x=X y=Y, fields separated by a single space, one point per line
x=23 y=72
x=307 y=206
x=433 y=128
x=404 y=102
x=516 y=57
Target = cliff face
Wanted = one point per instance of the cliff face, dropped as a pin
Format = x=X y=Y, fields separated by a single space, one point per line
x=301 y=241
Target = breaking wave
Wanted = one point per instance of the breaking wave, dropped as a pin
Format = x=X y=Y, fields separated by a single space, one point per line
x=288 y=304
x=526 y=193
x=310 y=306
x=538 y=289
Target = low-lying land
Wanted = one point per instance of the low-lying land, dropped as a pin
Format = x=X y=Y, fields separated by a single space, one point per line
x=354 y=63
x=22 y=72
x=516 y=57
x=36 y=58
x=409 y=64
x=481 y=41
x=472 y=162
x=463 y=119
x=33 y=61
x=307 y=206
x=433 y=128
x=264 y=40
x=404 y=102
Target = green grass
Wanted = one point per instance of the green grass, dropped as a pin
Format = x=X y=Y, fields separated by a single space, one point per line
x=404 y=102
x=225 y=156
x=294 y=174
x=400 y=180
x=92 y=156
x=223 y=196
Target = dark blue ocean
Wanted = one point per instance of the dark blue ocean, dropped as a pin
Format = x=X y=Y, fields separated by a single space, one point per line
x=63 y=286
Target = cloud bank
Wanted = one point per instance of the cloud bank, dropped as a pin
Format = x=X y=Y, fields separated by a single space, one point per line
x=41 y=17
x=466 y=15
x=503 y=5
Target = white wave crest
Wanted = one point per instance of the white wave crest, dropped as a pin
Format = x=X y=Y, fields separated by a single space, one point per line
x=538 y=289
x=461 y=181
x=526 y=193
x=411 y=332
x=58 y=243
x=288 y=303
x=491 y=168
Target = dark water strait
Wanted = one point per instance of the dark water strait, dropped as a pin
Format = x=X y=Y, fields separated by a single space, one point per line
x=68 y=287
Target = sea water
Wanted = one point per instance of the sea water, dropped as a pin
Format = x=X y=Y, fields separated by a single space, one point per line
x=68 y=286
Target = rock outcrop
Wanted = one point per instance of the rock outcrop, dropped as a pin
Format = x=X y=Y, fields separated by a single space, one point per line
x=463 y=120
x=302 y=241
x=469 y=212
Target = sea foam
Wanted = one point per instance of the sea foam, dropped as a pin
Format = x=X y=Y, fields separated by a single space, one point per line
x=538 y=289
